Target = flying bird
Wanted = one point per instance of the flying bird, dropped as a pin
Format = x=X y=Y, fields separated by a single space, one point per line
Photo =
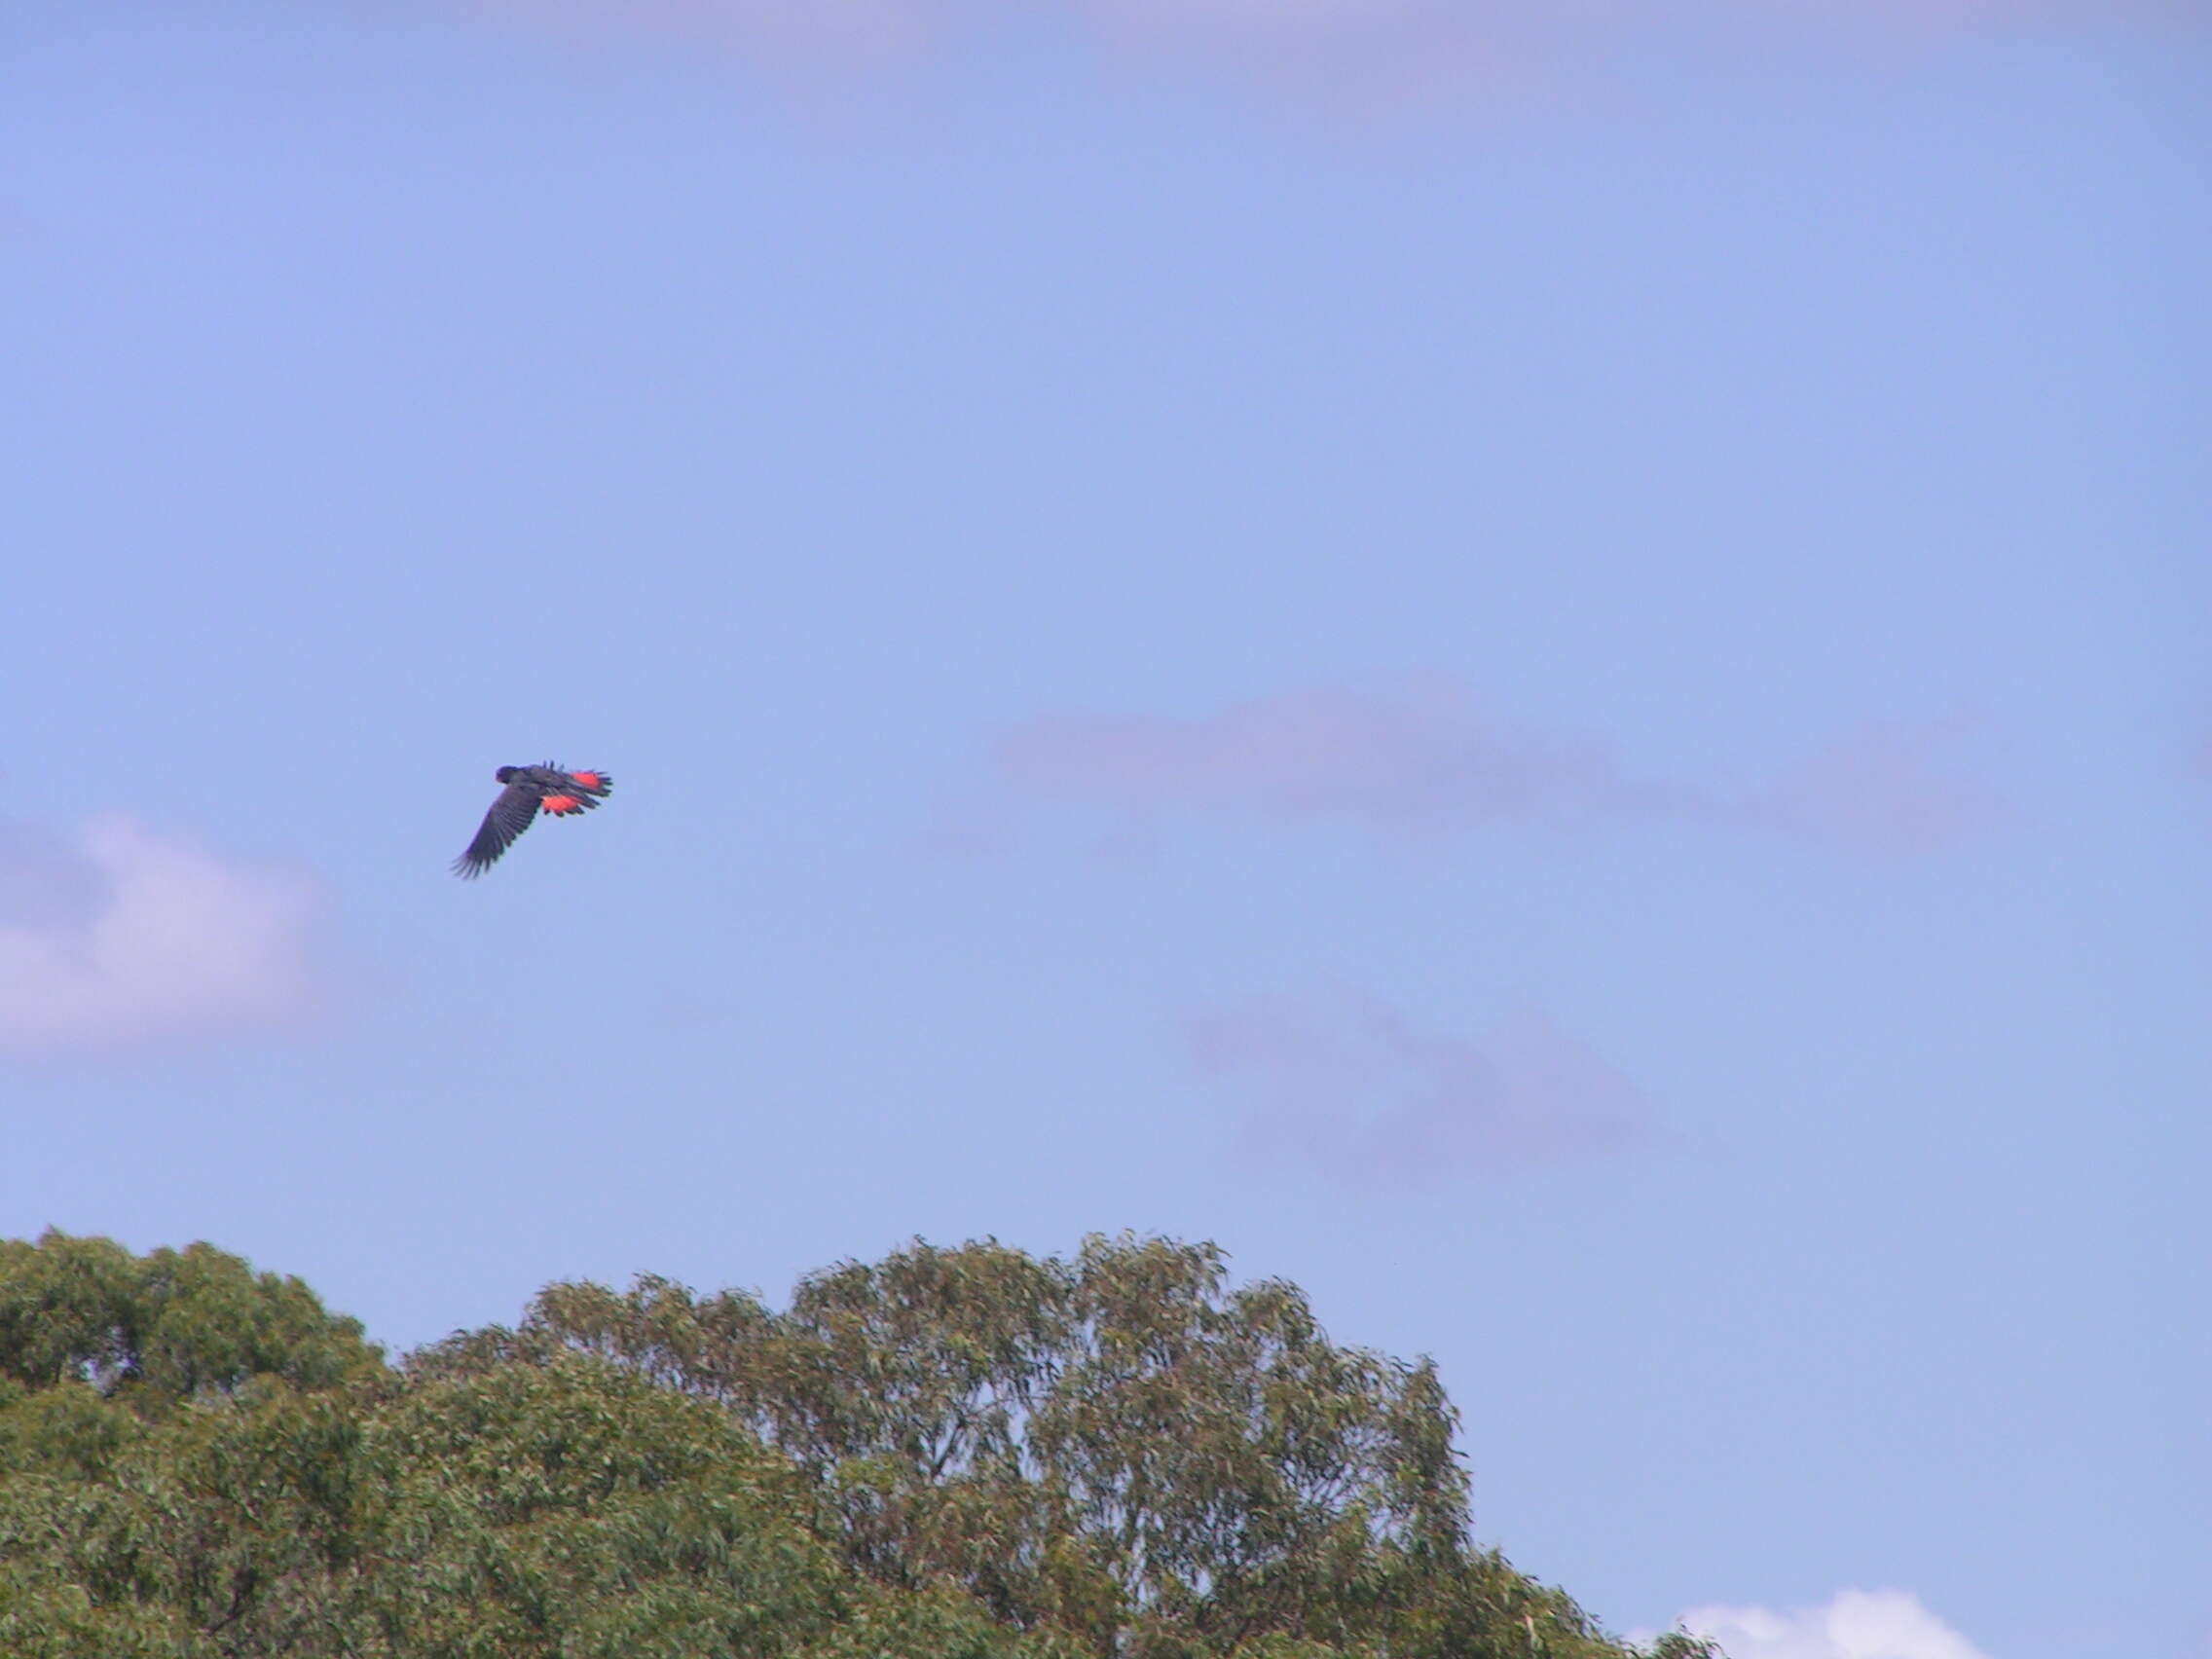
x=529 y=790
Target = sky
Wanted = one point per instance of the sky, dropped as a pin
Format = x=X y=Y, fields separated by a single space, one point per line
x=1542 y=666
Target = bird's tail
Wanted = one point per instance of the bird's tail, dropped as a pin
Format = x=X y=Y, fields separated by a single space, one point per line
x=588 y=788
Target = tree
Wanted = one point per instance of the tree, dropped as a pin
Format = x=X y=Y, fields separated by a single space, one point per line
x=951 y=1453
x=564 y=1511
x=1121 y=1447
x=158 y=1329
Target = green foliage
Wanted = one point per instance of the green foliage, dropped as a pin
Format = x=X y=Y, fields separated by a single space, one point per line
x=1122 y=1448
x=953 y=1454
x=164 y=1327
x=70 y=1429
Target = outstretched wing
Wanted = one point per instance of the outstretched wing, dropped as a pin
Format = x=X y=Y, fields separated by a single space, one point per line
x=509 y=816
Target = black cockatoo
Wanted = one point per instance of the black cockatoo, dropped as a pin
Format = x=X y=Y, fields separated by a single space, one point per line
x=529 y=790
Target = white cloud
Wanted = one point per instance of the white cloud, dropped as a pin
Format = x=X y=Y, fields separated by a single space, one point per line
x=118 y=937
x=1855 y=1624
x=1349 y=1085
x=1425 y=760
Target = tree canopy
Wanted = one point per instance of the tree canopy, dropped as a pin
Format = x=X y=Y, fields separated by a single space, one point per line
x=968 y=1452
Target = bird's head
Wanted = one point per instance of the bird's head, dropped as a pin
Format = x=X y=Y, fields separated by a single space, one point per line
x=505 y=774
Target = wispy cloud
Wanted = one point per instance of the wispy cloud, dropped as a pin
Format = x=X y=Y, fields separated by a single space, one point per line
x=1884 y=790
x=789 y=32
x=117 y=936
x=1348 y=1086
x=1855 y=1624
x=1430 y=761
x=1358 y=56
x=1425 y=760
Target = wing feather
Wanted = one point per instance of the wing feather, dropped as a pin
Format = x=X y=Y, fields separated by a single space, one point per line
x=509 y=816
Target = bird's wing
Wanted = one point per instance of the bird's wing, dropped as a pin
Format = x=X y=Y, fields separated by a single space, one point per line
x=509 y=816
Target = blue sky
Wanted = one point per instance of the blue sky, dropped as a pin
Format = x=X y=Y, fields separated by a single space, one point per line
x=1550 y=678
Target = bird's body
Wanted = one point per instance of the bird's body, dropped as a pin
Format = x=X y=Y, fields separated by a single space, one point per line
x=529 y=790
